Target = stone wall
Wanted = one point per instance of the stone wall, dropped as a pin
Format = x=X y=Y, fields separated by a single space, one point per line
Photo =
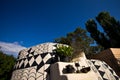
x=99 y=70
x=34 y=63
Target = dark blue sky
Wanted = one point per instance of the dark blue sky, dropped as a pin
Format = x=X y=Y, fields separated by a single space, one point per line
x=31 y=22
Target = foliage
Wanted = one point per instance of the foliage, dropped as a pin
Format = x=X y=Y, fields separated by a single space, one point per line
x=6 y=66
x=78 y=40
x=94 y=50
x=63 y=50
x=111 y=35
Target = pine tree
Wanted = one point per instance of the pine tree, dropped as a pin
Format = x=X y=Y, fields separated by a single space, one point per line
x=111 y=35
x=79 y=40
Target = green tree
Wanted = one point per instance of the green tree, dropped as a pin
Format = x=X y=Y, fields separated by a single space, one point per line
x=6 y=66
x=78 y=40
x=111 y=35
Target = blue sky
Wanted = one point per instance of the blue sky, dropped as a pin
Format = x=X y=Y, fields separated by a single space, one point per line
x=31 y=22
